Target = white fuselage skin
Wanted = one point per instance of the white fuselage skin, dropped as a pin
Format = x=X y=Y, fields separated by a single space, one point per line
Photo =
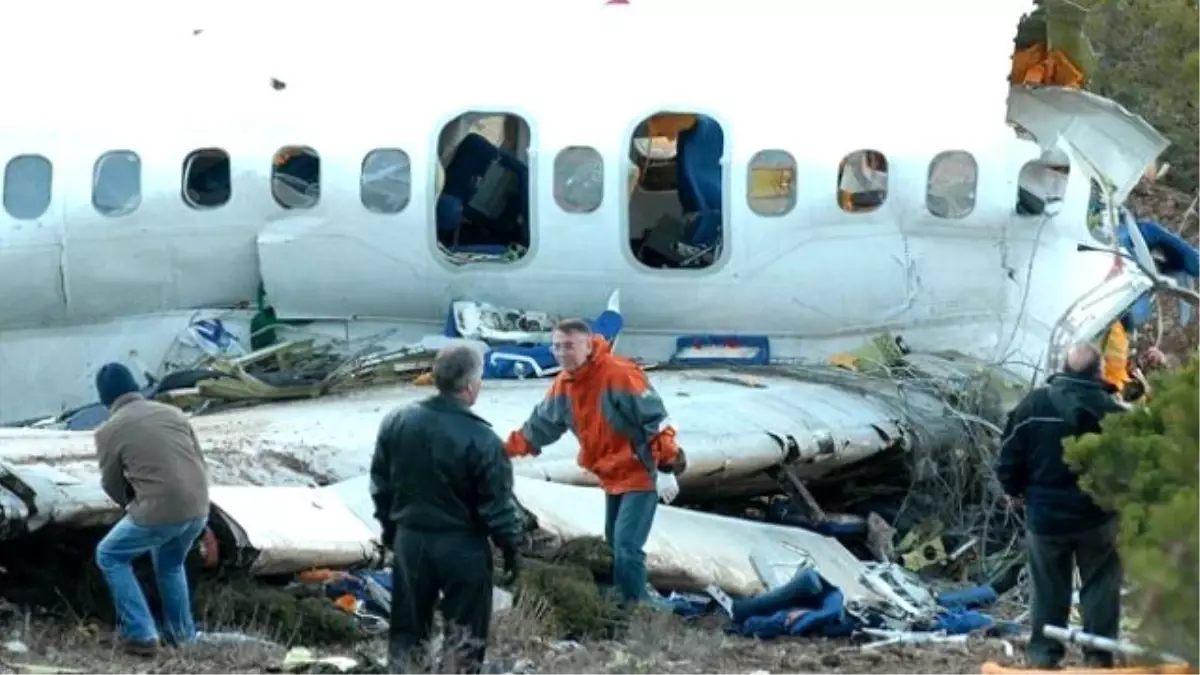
x=815 y=279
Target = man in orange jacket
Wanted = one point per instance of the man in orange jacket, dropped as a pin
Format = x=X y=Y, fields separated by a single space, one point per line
x=625 y=439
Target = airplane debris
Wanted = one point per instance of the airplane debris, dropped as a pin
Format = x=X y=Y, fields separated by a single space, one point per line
x=745 y=442
x=1072 y=635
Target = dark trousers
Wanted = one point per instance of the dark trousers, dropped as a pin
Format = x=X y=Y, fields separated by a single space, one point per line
x=1052 y=562
x=459 y=566
x=627 y=521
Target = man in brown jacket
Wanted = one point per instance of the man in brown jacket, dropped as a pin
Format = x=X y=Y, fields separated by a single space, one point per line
x=152 y=467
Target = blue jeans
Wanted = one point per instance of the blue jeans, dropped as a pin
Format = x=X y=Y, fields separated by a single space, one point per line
x=627 y=521
x=168 y=546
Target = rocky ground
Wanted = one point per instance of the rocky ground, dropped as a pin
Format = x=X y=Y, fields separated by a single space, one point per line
x=654 y=644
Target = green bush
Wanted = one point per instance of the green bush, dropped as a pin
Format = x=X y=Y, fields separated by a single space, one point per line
x=1145 y=466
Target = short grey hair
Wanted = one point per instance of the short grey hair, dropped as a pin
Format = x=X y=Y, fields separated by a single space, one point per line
x=457 y=367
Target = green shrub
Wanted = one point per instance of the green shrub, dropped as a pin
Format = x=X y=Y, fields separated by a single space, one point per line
x=1145 y=466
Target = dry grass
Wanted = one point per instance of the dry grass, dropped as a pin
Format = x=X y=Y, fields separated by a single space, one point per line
x=652 y=643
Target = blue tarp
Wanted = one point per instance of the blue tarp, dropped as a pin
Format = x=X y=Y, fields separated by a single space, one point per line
x=808 y=605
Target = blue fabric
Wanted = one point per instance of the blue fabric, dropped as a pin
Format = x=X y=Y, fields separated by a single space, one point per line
x=962 y=621
x=355 y=584
x=466 y=170
x=968 y=598
x=1179 y=255
x=449 y=213
x=168 y=546
x=806 y=584
x=628 y=518
x=698 y=156
x=807 y=605
x=1181 y=261
x=113 y=381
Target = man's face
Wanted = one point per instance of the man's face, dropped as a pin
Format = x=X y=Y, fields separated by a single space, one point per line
x=571 y=350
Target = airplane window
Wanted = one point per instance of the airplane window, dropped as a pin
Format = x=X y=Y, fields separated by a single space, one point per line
x=953 y=177
x=296 y=177
x=771 y=185
x=207 y=178
x=482 y=208
x=579 y=179
x=27 y=183
x=386 y=182
x=862 y=181
x=117 y=183
x=1041 y=184
x=679 y=225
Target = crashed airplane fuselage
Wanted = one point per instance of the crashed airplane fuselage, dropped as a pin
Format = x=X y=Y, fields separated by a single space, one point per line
x=116 y=218
x=719 y=219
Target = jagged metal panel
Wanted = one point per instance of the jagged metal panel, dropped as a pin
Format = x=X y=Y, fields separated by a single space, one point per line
x=1120 y=144
x=297 y=528
x=687 y=549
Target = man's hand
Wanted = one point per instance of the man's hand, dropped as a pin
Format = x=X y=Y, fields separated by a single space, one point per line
x=1153 y=358
x=512 y=566
x=678 y=466
x=518 y=446
x=667 y=487
x=388 y=536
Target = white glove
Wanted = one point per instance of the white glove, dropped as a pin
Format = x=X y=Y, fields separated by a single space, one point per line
x=667 y=487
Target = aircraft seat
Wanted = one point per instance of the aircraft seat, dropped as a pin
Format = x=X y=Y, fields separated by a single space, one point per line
x=698 y=154
x=501 y=198
x=449 y=214
x=489 y=185
x=467 y=166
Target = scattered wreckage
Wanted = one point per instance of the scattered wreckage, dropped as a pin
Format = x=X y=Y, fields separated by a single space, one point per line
x=290 y=491
x=288 y=427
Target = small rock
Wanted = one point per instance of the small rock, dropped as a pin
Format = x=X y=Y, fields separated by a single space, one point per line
x=16 y=647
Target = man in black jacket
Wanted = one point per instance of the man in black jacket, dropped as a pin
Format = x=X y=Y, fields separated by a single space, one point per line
x=442 y=484
x=1065 y=528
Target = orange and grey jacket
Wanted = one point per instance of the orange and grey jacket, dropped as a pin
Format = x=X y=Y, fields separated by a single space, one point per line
x=621 y=423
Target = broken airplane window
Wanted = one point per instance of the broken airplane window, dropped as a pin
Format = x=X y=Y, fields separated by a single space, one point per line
x=950 y=191
x=117 y=183
x=578 y=179
x=207 y=178
x=677 y=197
x=27 y=182
x=771 y=185
x=482 y=210
x=862 y=181
x=296 y=177
x=386 y=183
x=1041 y=184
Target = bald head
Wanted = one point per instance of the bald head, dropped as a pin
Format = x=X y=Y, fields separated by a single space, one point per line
x=1083 y=359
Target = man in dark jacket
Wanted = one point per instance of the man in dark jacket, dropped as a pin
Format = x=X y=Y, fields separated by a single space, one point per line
x=1065 y=528
x=442 y=485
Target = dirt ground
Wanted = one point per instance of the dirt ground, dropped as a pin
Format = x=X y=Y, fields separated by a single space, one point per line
x=655 y=644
